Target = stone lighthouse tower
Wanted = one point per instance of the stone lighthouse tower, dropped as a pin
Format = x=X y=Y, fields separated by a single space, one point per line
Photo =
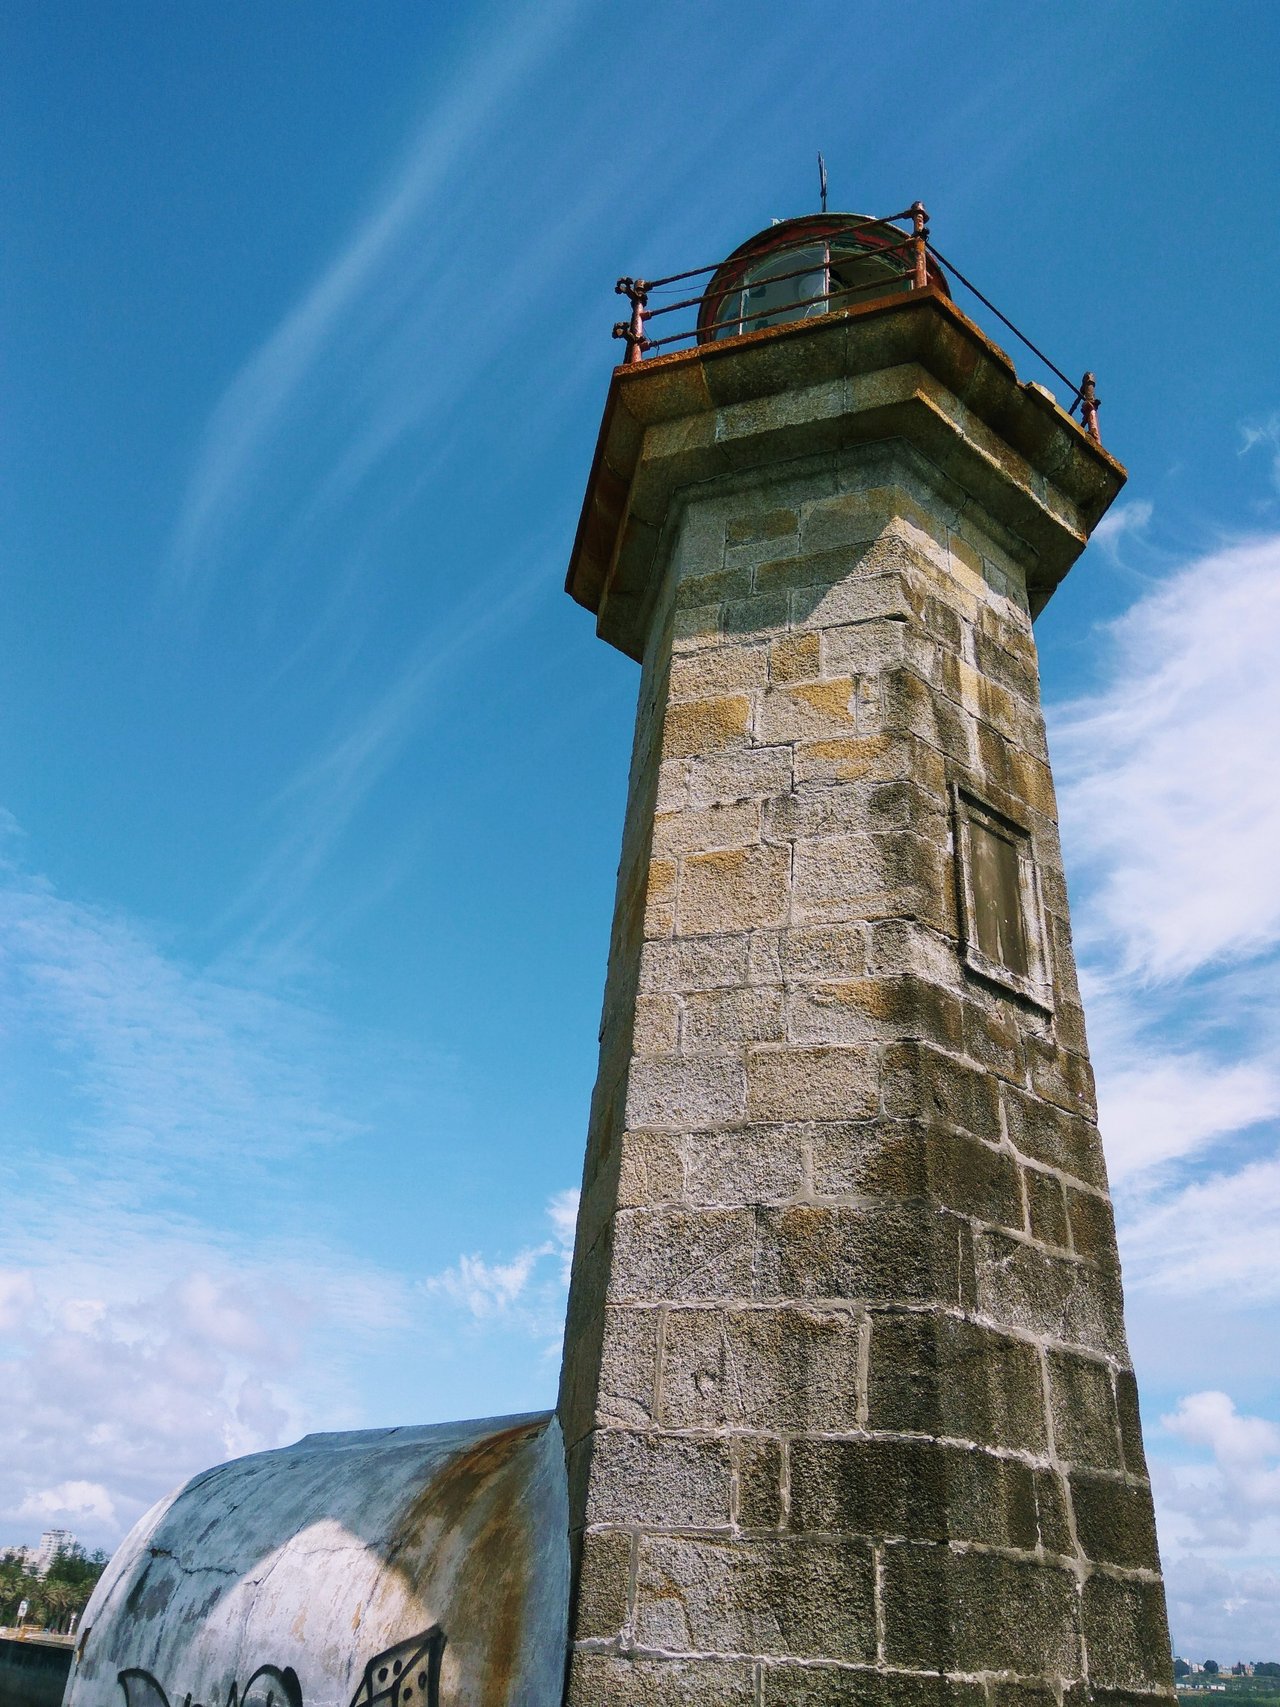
x=847 y=1402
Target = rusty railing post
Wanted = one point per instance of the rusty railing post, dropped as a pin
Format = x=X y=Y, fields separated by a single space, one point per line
x=637 y=293
x=920 y=225
x=1090 y=403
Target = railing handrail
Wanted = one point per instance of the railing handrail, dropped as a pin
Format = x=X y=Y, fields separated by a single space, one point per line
x=637 y=292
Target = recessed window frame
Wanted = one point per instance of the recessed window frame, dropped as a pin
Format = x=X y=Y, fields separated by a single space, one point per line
x=970 y=811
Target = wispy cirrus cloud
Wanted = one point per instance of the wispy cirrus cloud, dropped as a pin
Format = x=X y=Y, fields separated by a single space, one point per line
x=1168 y=774
x=529 y=1288
x=341 y=354
x=1124 y=521
x=1169 y=786
x=1263 y=435
x=1170 y=797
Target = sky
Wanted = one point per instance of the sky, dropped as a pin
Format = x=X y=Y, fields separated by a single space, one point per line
x=311 y=777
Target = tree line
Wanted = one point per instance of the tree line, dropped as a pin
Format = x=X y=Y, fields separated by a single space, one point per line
x=54 y=1599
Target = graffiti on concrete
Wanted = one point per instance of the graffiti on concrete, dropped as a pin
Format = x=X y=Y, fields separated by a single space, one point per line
x=407 y=1675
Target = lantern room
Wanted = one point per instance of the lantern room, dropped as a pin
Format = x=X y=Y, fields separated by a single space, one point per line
x=798 y=268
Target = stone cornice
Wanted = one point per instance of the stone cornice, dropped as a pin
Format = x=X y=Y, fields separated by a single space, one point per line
x=911 y=367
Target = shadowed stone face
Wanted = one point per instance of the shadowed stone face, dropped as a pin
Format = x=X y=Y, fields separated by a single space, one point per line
x=846 y=1395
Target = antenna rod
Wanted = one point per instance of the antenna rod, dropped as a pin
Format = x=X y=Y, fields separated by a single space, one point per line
x=822 y=181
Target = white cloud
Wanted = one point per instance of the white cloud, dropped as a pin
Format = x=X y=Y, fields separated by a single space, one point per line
x=1168 y=775
x=1212 y=1236
x=1267 y=435
x=1119 y=523
x=71 y=1500
x=1157 y=1108
x=1223 y=1614
x=1231 y=1501
x=533 y=1281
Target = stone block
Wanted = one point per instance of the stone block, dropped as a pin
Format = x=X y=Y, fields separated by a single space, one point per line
x=849 y=518
x=1059 y=1138
x=726 y=671
x=807 y=711
x=914 y=1162
x=1062 y=1078
x=896 y=947
x=1115 y=1521
x=811 y=1084
x=756 y=773
x=701 y=584
x=763 y=614
x=657 y=1024
x=701 y=831
x=949 y=1611
x=733 y=890
x=878 y=1253
x=696 y=630
x=745 y=1164
x=690 y=1092
x=864 y=1010
x=776 y=1368
x=851 y=759
x=619 y=1680
x=817 y=953
x=758 y=1471
x=914 y=1489
x=1053 y=1515
x=1135 y=1458
x=707 y=963
x=795 y=658
x=604 y=1600
x=660 y=899
x=764 y=958
x=1093 y=1228
x=866 y=648
x=726 y=1019
x=628 y=1372
x=1127 y=1633
x=673 y=1254
x=923 y=1082
x=871 y=877
x=993 y=1030
x=1046 y=1208
x=942 y=1375
x=1082 y=1404
x=749 y=526
x=650 y=1170
x=811 y=569
x=710 y=725
x=660 y=1480
x=831 y=1686
x=867 y=597
x=802 y=1596
x=1023 y=1286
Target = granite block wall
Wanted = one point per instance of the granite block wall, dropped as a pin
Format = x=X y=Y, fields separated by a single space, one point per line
x=847 y=1400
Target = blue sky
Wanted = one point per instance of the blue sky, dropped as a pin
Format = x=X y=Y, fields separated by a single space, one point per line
x=312 y=778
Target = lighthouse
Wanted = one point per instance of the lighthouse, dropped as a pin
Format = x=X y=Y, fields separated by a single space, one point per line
x=847 y=1404
x=846 y=1415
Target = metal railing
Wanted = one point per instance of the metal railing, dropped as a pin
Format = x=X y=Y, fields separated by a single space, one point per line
x=917 y=252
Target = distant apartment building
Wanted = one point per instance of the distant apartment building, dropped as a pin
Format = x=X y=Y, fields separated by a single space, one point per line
x=39 y=1559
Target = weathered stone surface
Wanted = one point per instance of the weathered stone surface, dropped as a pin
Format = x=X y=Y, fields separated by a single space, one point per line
x=619 y=1680
x=787 y=1368
x=951 y=1611
x=809 y=1597
x=1114 y=1521
x=853 y=1231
